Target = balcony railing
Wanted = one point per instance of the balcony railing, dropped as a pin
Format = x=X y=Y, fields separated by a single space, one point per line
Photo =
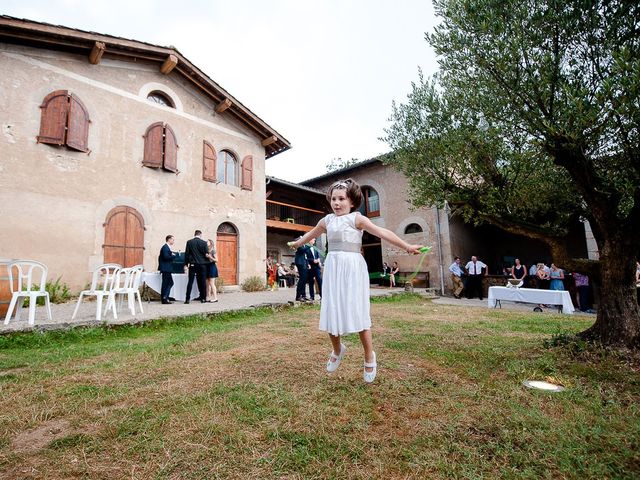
x=280 y=214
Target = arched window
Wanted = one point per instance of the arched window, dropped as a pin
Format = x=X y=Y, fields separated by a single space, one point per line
x=227 y=168
x=124 y=237
x=161 y=98
x=64 y=121
x=371 y=205
x=413 y=228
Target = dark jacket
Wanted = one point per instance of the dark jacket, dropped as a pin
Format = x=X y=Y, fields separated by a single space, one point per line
x=165 y=259
x=196 y=252
x=303 y=253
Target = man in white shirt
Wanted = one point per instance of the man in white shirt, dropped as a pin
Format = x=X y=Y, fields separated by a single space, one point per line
x=474 y=280
x=456 y=276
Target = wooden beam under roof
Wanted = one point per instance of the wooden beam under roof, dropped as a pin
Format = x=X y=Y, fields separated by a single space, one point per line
x=269 y=140
x=96 y=53
x=169 y=64
x=223 y=105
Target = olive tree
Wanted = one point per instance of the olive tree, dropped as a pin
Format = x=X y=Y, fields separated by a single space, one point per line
x=531 y=121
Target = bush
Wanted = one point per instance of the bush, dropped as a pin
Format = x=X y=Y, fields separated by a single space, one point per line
x=58 y=292
x=254 y=284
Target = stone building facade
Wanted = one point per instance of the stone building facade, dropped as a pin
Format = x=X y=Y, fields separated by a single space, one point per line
x=166 y=151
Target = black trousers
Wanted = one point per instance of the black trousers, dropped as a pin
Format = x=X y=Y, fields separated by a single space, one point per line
x=302 y=281
x=199 y=271
x=167 y=284
x=474 y=286
x=314 y=274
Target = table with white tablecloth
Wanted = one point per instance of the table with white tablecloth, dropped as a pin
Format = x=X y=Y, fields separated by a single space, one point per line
x=531 y=295
x=179 y=289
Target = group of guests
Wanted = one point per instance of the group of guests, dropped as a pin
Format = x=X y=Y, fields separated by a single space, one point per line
x=468 y=278
x=200 y=261
x=390 y=272
x=539 y=275
x=308 y=262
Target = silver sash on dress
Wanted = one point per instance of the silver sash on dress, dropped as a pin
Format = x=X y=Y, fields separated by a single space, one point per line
x=338 y=246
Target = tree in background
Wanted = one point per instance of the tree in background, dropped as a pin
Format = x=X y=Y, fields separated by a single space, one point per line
x=339 y=164
x=533 y=120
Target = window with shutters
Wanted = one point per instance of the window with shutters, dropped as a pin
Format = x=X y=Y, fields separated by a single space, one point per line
x=227 y=166
x=209 y=158
x=247 y=173
x=371 y=205
x=64 y=121
x=160 y=147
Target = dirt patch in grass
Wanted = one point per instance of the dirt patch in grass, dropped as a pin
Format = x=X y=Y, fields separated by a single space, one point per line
x=42 y=435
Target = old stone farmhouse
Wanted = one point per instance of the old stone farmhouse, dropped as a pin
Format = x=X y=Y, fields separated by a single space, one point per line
x=110 y=144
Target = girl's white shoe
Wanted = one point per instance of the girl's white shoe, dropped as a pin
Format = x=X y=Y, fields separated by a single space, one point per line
x=370 y=376
x=334 y=360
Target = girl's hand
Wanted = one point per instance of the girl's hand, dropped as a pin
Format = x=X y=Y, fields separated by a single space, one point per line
x=292 y=245
x=414 y=249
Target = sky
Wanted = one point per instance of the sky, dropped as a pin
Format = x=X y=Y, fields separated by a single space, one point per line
x=323 y=74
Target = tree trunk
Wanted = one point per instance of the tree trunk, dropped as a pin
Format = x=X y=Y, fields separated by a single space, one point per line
x=618 y=320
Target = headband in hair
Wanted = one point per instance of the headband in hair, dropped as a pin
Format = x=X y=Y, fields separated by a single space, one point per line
x=339 y=185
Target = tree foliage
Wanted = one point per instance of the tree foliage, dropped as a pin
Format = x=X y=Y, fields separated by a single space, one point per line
x=532 y=119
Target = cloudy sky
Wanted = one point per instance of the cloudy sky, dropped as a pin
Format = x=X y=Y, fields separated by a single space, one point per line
x=323 y=73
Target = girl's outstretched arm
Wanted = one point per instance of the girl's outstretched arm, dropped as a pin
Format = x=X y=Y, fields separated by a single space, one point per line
x=316 y=231
x=363 y=223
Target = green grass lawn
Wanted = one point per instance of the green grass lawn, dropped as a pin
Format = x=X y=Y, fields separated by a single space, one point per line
x=246 y=395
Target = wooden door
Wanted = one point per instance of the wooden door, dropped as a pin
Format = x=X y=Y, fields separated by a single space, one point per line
x=227 y=252
x=124 y=237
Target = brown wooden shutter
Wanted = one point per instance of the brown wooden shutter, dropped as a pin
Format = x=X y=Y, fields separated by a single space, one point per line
x=170 y=150
x=53 y=120
x=209 y=159
x=153 y=145
x=247 y=173
x=78 y=125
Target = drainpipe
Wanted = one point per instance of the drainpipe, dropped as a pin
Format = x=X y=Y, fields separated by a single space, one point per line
x=439 y=250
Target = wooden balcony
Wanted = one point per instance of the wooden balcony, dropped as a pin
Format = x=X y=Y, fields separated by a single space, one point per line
x=292 y=218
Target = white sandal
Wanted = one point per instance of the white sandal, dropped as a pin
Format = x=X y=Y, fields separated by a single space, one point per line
x=334 y=360
x=370 y=376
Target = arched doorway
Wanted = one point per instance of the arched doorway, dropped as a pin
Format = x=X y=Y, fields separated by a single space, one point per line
x=372 y=251
x=227 y=252
x=124 y=237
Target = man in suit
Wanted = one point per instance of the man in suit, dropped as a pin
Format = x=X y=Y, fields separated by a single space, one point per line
x=313 y=258
x=302 y=264
x=165 y=265
x=195 y=258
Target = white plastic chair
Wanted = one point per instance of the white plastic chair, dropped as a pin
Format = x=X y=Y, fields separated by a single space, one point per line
x=127 y=283
x=102 y=283
x=282 y=283
x=29 y=287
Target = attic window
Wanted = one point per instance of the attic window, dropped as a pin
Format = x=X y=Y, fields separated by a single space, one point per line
x=160 y=98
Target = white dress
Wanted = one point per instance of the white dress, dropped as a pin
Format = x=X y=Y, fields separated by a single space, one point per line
x=345 y=280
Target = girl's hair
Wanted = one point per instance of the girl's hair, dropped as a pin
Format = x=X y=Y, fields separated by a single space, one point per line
x=354 y=193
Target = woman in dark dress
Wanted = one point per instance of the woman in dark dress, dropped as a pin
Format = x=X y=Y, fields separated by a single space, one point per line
x=519 y=271
x=212 y=272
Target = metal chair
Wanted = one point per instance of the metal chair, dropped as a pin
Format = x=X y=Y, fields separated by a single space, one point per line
x=102 y=284
x=28 y=286
x=127 y=283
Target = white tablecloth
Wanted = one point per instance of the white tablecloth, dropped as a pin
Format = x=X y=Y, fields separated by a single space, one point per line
x=531 y=295
x=179 y=290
